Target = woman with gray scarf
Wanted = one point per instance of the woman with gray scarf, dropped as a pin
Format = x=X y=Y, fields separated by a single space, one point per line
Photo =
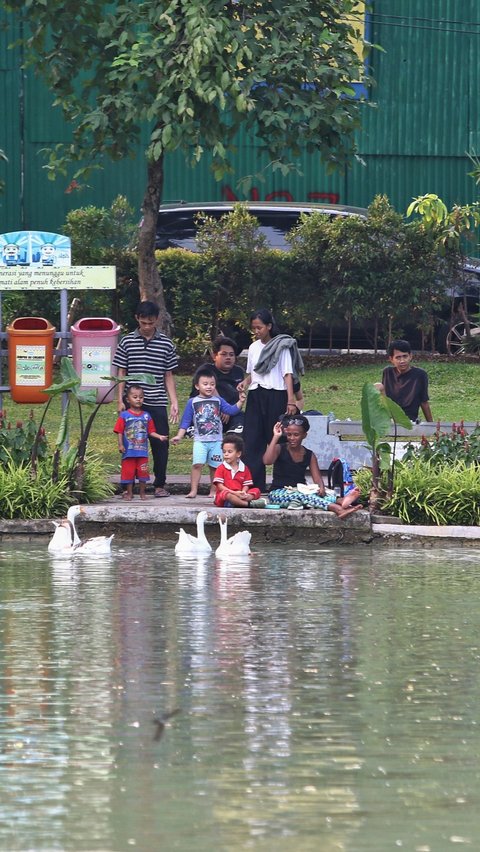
x=273 y=361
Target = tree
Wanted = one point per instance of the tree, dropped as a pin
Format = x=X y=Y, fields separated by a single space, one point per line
x=193 y=72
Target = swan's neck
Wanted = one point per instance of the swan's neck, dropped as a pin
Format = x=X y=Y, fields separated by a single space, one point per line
x=223 y=532
x=76 y=540
x=201 y=530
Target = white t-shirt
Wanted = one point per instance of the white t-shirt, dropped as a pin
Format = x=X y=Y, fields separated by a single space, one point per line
x=273 y=380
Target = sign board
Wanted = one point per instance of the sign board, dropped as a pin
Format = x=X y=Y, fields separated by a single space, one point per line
x=34 y=249
x=57 y=278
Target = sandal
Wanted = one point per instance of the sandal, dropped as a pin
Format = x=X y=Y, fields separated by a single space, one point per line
x=161 y=492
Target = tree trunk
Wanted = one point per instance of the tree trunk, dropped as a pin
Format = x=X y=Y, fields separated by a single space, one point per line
x=150 y=283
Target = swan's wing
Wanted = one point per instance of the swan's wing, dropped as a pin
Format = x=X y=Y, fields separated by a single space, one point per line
x=240 y=543
x=100 y=545
x=186 y=542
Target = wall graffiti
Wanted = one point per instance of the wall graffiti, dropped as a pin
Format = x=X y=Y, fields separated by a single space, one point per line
x=314 y=196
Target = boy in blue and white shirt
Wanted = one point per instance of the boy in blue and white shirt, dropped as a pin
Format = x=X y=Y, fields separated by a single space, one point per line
x=204 y=411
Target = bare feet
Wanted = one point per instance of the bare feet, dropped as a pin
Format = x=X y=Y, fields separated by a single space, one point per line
x=191 y=496
x=211 y=495
x=127 y=496
x=344 y=512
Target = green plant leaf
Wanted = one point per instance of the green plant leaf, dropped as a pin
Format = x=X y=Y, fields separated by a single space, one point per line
x=86 y=397
x=396 y=413
x=375 y=416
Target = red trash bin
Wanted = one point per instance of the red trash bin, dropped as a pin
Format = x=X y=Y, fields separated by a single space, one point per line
x=94 y=341
x=30 y=359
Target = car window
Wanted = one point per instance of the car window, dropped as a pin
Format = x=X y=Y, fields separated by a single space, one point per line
x=176 y=228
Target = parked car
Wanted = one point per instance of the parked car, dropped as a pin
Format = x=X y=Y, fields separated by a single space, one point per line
x=176 y=226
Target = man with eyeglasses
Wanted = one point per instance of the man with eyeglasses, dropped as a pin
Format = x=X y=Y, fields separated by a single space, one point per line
x=228 y=374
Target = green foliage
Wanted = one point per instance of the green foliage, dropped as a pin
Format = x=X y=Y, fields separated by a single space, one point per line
x=70 y=383
x=96 y=484
x=358 y=268
x=104 y=236
x=445 y=448
x=188 y=295
x=194 y=72
x=430 y=494
x=16 y=442
x=448 y=226
x=96 y=232
x=377 y=413
x=22 y=496
x=231 y=276
x=240 y=267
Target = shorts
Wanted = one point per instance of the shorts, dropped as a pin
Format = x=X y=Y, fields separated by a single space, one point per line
x=207 y=452
x=134 y=467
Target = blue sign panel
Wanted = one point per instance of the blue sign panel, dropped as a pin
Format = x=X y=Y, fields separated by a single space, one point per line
x=39 y=249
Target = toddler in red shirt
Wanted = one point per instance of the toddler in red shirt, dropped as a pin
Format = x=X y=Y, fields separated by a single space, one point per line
x=233 y=479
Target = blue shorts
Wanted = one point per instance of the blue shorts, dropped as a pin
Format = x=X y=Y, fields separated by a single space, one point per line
x=207 y=452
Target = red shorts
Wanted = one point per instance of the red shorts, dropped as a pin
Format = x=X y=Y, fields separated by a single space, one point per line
x=132 y=468
x=222 y=496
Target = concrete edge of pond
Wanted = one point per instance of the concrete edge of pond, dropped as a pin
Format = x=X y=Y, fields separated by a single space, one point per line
x=417 y=531
x=159 y=520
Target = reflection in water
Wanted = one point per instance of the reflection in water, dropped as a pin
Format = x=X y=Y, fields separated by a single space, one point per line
x=327 y=699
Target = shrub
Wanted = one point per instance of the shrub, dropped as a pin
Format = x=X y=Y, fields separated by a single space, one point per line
x=16 y=442
x=447 y=447
x=24 y=497
x=427 y=493
x=96 y=484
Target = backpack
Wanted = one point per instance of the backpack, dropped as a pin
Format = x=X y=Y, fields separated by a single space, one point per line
x=340 y=476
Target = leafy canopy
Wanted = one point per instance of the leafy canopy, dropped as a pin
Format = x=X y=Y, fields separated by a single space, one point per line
x=194 y=71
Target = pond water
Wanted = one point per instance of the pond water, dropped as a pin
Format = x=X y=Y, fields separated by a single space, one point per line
x=328 y=699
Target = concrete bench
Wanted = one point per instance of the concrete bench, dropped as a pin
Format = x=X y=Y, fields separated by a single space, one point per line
x=352 y=429
x=345 y=439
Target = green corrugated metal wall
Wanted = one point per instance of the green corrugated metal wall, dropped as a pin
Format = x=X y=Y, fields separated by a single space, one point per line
x=422 y=118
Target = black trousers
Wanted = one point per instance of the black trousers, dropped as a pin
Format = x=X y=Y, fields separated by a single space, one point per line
x=264 y=409
x=158 y=413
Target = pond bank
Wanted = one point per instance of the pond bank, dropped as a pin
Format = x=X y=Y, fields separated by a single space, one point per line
x=161 y=518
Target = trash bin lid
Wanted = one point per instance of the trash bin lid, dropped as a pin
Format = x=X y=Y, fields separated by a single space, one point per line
x=95 y=324
x=30 y=324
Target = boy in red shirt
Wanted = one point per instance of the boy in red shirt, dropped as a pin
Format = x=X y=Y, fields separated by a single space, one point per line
x=133 y=427
x=233 y=479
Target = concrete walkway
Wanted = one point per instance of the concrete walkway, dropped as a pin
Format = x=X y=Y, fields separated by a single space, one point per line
x=156 y=518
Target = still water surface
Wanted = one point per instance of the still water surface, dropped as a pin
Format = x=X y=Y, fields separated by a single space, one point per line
x=329 y=699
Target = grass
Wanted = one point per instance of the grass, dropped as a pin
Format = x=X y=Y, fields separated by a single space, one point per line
x=454 y=395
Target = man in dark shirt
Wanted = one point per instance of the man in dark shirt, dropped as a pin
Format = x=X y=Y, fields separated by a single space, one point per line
x=228 y=374
x=406 y=385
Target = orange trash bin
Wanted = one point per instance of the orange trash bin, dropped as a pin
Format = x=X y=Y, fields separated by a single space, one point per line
x=30 y=359
x=94 y=341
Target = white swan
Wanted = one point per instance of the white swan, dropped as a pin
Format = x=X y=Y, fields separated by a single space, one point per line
x=236 y=545
x=188 y=543
x=100 y=545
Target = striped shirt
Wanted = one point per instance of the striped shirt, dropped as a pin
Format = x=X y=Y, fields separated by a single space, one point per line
x=136 y=354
